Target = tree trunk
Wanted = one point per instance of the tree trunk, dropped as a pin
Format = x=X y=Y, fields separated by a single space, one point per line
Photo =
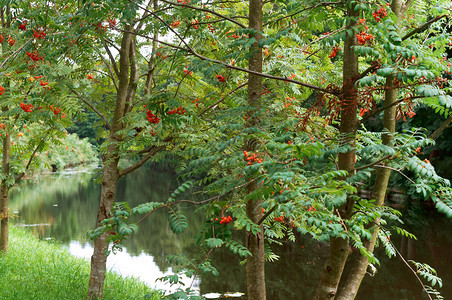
x=4 y=189
x=339 y=247
x=359 y=264
x=255 y=264
x=111 y=160
x=4 y=211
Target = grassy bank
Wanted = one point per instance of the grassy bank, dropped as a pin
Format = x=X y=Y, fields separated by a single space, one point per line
x=34 y=269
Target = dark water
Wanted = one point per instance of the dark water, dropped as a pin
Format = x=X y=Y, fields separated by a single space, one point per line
x=63 y=206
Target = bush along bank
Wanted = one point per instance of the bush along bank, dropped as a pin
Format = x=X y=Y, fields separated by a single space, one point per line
x=35 y=269
x=53 y=153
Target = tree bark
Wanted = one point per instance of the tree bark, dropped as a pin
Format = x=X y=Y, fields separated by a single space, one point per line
x=4 y=211
x=4 y=189
x=107 y=198
x=339 y=247
x=255 y=264
x=111 y=160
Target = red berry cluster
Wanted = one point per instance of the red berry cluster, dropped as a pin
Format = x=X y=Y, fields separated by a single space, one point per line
x=252 y=158
x=112 y=22
x=23 y=25
x=311 y=208
x=220 y=78
x=334 y=52
x=226 y=220
x=175 y=23
x=196 y=101
x=211 y=28
x=179 y=110
x=194 y=23
x=2 y=90
x=288 y=102
x=152 y=118
x=11 y=41
x=279 y=219
x=44 y=83
x=364 y=37
x=34 y=56
x=188 y=72
x=39 y=34
x=26 y=107
x=55 y=109
x=379 y=14
x=410 y=114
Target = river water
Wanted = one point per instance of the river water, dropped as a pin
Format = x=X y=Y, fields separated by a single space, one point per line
x=63 y=206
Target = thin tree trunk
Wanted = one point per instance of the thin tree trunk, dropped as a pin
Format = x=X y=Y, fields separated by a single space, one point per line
x=111 y=160
x=107 y=198
x=4 y=211
x=4 y=189
x=339 y=247
x=152 y=59
x=255 y=264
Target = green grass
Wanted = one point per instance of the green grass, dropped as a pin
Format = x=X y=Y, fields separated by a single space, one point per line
x=34 y=269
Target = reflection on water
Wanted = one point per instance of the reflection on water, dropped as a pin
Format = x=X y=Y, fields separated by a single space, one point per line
x=64 y=206
x=141 y=266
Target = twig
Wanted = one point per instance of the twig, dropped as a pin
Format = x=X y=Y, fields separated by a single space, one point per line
x=373 y=164
x=204 y=10
x=222 y=98
x=107 y=123
x=420 y=28
x=397 y=170
x=14 y=53
x=407 y=264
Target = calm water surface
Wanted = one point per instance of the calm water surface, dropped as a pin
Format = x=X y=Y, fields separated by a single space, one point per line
x=63 y=206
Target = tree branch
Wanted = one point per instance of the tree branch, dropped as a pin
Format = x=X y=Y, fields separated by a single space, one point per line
x=222 y=98
x=15 y=52
x=110 y=71
x=22 y=174
x=112 y=59
x=373 y=113
x=441 y=128
x=141 y=161
x=397 y=170
x=423 y=26
x=202 y=9
x=107 y=123
x=373 y=164
x=408 y=265
x=302 y=10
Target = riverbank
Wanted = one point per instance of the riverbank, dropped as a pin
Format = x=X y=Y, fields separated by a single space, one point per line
x=35 y=269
